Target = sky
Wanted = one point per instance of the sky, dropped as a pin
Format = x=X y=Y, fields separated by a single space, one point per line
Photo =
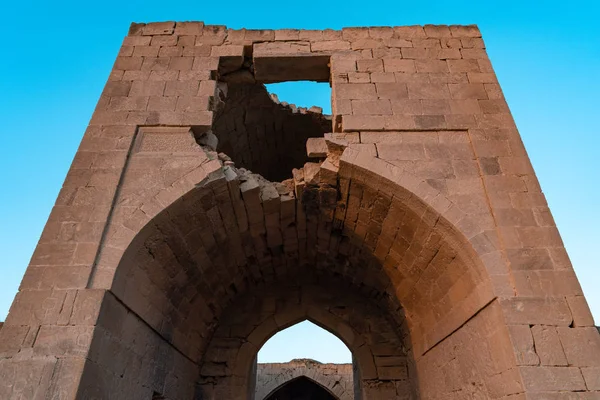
x=56 y=57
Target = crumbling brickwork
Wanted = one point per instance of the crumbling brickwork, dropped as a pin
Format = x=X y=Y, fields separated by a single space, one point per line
x=417 y=231
x=264 y=136
x=336 y=379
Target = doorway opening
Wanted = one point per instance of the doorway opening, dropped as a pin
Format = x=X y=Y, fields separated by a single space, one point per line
x=304 y=362
x=301 y=388
x=304 y=340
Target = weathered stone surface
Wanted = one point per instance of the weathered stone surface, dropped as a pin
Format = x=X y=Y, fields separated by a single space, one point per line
x=591 y=377
x=419 y=236
x=581 y=346
x=525 y=349
x=548 y=346
x=550 y=379
x=316 y=148
x=335 y=378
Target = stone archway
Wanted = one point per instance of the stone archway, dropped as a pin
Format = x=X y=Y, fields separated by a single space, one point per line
x=380 y=358
x=301 y=388
x=188 y=267
x=337 y=379
x=421 y=205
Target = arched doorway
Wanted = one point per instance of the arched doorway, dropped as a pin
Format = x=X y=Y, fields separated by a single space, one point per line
x=372 y=337
x=215 y=276
x=421 y=207
x=301 y=388
x=304 y=340
x=222 y=259
x=305 y=350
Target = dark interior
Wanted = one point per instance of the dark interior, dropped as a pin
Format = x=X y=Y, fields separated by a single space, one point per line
x=261 y=134
x=301 y=389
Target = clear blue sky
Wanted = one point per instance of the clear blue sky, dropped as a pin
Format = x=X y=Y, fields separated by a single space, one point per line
x=56 y=57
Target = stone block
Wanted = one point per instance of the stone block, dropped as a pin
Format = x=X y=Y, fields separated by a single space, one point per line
x=363 y=122
x=467 y=91
x=470 y=31
x=581 y=345
x=294 y=66
x=392 y=91
x=525 y=349
x=580 y=310
x=468 y=66
x=399 y=65
x=189 y=28
x=371 y=107
x=428 y=91
x=531 y=311
x=551 y=379
x=12 y=338
x=63 y=340
x=36 y=307
x=437 y=31
x=356 y=91
x=316 y=148
x=369 y=65
x=548 y=346
x=431 y=66
x=592 y=378
x=158 y=28
x=86 y=308
x=29 y=378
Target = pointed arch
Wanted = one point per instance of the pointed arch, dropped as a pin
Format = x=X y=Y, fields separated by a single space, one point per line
x=388 y=238
x=304 y=340
x=317 y=380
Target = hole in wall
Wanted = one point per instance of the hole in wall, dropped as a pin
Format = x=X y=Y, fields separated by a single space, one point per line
x=264 y=135
x=264 y=129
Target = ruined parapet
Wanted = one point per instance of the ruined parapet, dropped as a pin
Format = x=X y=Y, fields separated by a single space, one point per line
x=334 y=378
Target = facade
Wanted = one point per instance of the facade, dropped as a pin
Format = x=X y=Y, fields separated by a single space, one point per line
x=201 y=216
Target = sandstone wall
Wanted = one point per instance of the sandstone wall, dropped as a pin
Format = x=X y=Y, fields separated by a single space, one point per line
x=420 y=202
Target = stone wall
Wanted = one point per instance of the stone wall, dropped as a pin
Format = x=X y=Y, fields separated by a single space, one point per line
x=336 y=378
x=166 y=263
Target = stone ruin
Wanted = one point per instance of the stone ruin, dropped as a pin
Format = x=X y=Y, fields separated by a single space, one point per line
x=304 y=377
x=200 y=217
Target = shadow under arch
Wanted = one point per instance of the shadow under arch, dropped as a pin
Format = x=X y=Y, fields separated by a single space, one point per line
x=362 y=324
x=465 y=241
x=314 y=381
x=196 y=256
